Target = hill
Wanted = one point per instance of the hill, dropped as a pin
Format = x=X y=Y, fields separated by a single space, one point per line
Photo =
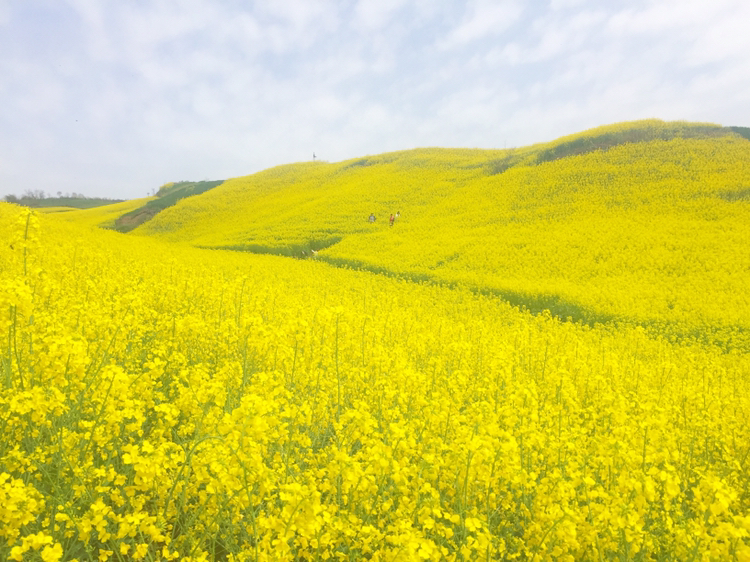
x=104 y=216
x=168 y=195
x=627 y=221
x=162 y=401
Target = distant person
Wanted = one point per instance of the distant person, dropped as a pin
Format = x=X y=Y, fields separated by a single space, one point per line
x=392 y=219
x=372 y=217
x=398 y=214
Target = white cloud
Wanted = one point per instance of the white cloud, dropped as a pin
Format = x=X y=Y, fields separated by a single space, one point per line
x=94 y=28
x=4 y=12
x=723 y=38
x=548 y=37
x=557 y=5
x=485 y=17
x=376 y=14
x=126 y=96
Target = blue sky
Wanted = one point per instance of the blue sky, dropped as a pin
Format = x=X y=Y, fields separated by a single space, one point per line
x=114 y=99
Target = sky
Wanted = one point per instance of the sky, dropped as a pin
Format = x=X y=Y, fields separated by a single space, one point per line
x=115 y=98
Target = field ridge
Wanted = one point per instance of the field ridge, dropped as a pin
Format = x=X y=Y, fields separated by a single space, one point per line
x=732 y=339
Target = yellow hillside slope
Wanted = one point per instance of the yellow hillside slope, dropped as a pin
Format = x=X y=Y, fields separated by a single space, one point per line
x=634 y=230
x=105 y=215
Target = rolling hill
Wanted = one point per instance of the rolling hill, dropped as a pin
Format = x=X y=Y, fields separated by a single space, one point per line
x=627 y=221
x=168 y=394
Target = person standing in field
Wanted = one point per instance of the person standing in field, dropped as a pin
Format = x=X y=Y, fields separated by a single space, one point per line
x=392 y=219
x=372 y=217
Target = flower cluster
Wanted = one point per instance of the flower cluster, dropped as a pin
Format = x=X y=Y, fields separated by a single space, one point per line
x=630 y=231
x=161 y=402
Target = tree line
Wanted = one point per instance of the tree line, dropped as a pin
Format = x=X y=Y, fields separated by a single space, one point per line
x=39 y=198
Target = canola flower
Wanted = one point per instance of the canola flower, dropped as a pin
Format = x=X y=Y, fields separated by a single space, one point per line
x=103 y=216
x=632 y=232
x=161 y=402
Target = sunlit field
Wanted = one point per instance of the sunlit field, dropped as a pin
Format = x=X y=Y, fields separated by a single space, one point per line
x=633 y=232
x=105 y=215
x=385 y=401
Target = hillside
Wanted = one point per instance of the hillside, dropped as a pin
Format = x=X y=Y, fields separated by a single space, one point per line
x=104 y=216
x=627 y=221
x=167 y=196
x=166 y=402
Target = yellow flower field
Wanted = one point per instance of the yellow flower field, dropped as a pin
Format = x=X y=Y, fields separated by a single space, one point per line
x=633 y=232
x=161 y=402
x=105 y=215
x=546 y=357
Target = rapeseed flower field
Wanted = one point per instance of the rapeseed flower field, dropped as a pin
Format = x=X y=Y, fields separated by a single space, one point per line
x=632 y=232
x=103 y=216
x=160 y=401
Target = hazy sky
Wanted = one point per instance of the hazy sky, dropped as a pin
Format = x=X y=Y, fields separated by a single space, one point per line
x=115 y=98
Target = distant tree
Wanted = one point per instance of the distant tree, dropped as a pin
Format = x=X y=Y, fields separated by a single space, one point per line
x=33 y=194
x=10 y=198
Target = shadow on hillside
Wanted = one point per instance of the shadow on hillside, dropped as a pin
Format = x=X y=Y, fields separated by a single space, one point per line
x=733 y=196
x=166 y=197
x=610 y=139
x=535 y=304
x=729 y=339
x=742 y=131
x=584 y=144
x=304 y=250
